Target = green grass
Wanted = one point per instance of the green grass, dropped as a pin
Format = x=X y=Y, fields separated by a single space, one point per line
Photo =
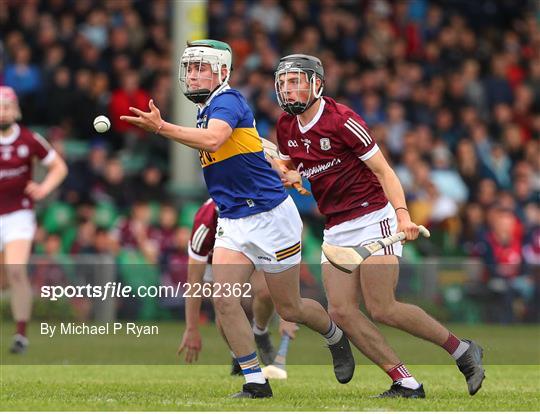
x=58 y=384
x=205 y=388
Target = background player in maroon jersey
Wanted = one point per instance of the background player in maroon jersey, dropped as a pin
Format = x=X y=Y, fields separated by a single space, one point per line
x=18 y=149
x=201 y=245
x=363 y=200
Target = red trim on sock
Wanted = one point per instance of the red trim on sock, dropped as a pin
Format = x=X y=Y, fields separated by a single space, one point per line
x=21 y=328
x=451 y=343
x=398 y=372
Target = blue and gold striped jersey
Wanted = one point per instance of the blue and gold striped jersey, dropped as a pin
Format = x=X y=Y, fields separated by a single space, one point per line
x=238 y=177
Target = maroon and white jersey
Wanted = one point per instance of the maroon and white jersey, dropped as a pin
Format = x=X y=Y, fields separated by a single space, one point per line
x=203 y=233
x=330 y=151
x=17 y=152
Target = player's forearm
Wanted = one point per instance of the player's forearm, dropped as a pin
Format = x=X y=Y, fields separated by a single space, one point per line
x=57 y=172
x=195 y=275
x=394 y=191
x=197 y=138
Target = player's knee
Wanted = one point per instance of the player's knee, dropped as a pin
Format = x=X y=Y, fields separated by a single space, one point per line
x=382 y=315
x=224 y=306
x=341 y=314
x=290 y=313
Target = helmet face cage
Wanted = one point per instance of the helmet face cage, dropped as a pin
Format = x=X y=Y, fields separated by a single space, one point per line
x=285 y=83
x=192 y=60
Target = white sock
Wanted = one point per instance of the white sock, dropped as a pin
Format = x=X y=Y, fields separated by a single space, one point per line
x=409 y=382
x=256 y=377
x=334 y=334
x=461 y=349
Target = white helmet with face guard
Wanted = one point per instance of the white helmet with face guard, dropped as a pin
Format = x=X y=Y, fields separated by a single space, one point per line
x=213 y=52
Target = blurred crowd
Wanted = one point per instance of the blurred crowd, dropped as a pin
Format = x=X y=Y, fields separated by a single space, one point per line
x=450 y=90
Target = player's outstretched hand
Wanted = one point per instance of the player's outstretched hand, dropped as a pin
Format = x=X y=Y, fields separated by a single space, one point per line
x=192 y=343
x=149 y=121
x=287 y=328
x=35 y=191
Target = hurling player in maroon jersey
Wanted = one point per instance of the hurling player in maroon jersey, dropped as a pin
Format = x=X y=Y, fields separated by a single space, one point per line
x=18 y=148
x=201 y=246
x=362 y=200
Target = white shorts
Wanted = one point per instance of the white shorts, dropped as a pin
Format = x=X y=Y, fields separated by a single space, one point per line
x=364 y=230
x=271 y=240
x=19 y=225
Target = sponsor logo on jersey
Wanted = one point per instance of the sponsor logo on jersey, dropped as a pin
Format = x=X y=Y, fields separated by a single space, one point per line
x=318 y=168
x=13 y=172
x=325 y=144
x=292 y=143
x=250 y=202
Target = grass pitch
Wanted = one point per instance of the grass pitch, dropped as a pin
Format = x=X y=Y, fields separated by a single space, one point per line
x=26 y=386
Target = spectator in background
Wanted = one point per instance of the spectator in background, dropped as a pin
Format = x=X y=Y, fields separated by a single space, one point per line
x=397 y=127
x=133 y=233
x=150 y=184
x=86 y=174
x=60 y=97
x=128 y=95
x=86 y=234
x=25 y=78
x=446 y=179
x=501 y=252
x=164 y=235
x=499 y=166
x=496 y=85
x=113 y=187
x=469 y=166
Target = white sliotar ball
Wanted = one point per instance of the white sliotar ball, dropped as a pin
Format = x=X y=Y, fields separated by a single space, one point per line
x=102 y=124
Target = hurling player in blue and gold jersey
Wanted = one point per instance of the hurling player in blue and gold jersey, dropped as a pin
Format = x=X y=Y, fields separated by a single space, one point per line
x=259 y=226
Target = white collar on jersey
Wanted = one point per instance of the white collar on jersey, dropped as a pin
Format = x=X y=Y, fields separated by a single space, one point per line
x=314 y=120
x=222 y=88
x=10 y=139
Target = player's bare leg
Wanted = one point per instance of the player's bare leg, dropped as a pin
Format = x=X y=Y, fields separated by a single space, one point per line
x=263 y=310
x=379 y=277
x=230 y=266
x=285 y=291
x=343 y=293
x=263 y=307
x=235 y=366
x=16 y=255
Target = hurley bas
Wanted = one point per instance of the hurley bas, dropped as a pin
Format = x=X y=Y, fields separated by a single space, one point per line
x=113 y=328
